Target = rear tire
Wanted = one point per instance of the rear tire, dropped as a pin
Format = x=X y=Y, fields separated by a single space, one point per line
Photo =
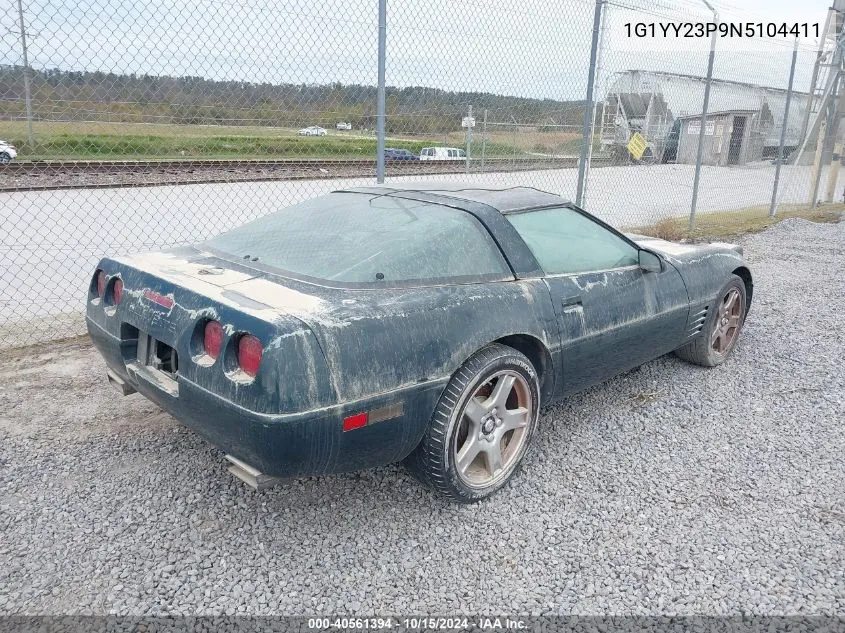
x=721 y=332
x=5 y=158
x=482 y=426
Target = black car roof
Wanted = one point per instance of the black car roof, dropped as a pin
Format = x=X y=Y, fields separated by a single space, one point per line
x=504 y=199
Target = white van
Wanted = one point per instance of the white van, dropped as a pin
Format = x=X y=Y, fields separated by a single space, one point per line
x=442 y=153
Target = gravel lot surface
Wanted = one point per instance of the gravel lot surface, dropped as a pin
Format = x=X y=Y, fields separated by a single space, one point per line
x=671 y=489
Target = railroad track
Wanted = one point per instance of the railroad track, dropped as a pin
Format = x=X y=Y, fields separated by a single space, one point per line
x=40 y=175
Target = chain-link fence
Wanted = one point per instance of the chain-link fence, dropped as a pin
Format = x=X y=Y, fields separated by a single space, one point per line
x=139 y=126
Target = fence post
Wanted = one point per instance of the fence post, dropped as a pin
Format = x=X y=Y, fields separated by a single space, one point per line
x=704 y=107
x=380 y=106
x=483 y=140
x=469 y=137
x=599 y=57
x=586 y=137
x=773 y=205
x=27 y=90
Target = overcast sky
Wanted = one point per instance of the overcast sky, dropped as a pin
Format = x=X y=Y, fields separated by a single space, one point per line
x=537 y=48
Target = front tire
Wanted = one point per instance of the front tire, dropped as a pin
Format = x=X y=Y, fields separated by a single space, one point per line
x=5 y=158
x=724 y=324
x=482 y=426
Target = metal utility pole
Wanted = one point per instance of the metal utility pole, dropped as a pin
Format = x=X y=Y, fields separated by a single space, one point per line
x=815 y=77
x=773 y=205
x=827 y=117
x=27 y=90
x=483 y=140
x=814 y=129
x=586 y=137
x=703 y=123
x=836 y=157
x=815 y=174
x=380 y=101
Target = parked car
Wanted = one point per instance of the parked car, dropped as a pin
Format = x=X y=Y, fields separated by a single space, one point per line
x=343 y=125
x=391 y=153
x=8 y=152
x=425 y=323
x=313 y=130
x=442 y=153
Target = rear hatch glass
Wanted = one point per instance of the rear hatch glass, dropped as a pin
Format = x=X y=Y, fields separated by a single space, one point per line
x=366 y=238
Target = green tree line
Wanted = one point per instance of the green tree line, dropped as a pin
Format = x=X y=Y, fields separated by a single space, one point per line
x=62 y=95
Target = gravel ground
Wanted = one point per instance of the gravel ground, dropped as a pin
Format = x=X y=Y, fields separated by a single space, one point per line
x=672 y=489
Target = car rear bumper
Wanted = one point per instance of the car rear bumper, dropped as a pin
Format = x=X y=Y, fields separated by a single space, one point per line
x=286 y=445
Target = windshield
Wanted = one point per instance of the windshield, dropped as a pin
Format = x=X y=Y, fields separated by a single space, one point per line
x=367 y=238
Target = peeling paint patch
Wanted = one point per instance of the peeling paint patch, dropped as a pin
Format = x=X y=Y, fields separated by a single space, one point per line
x=258 y=297
x=276 y=343
x=244 y=301
x=280 y=297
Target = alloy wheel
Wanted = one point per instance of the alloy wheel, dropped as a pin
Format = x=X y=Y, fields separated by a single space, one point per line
x=492 y=429
x=728 y=322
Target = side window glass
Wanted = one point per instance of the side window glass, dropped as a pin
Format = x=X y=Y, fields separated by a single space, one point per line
x=462 y=153
x=565 y=241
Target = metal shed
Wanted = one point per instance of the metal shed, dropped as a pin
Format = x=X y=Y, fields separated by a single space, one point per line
x=652 y=102
x=730 y=138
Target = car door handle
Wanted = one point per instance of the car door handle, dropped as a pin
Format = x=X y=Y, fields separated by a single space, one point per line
x=571 y=302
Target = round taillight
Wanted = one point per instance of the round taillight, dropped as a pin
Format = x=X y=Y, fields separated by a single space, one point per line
x=213 y=338
x=250 y=351
x=117 y=291
x=101 y=283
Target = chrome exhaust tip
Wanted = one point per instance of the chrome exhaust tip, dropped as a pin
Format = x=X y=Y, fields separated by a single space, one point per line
x=118 y=383
x=252 y=477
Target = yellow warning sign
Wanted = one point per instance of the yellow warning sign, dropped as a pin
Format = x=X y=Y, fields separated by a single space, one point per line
x=637 y=145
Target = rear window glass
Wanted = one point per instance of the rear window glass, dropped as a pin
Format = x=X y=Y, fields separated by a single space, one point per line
x=367 y=238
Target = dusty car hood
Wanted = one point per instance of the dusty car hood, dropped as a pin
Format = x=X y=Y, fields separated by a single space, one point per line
x=681 y=251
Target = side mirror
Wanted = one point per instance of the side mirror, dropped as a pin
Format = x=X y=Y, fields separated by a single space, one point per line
x=650 y=262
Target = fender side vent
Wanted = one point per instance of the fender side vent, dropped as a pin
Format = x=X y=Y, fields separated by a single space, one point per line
x=697 y=321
